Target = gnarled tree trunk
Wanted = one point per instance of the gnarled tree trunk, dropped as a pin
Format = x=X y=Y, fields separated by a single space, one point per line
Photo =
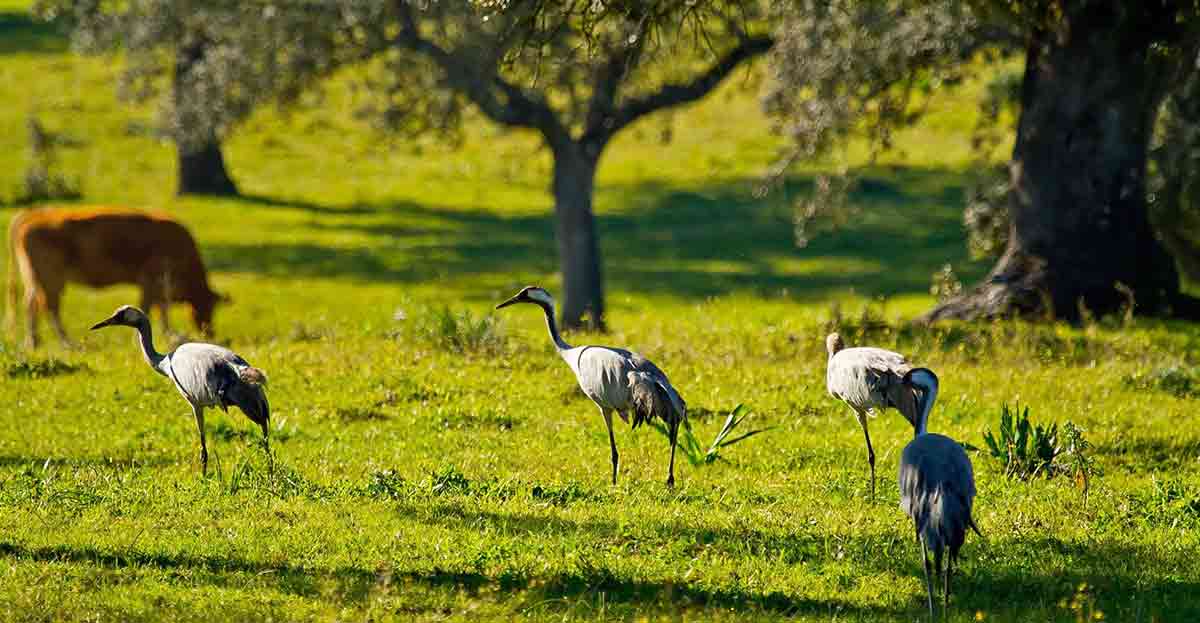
x=202 y=169
x=578 y=249
x=1080 y=234
x=201 y=165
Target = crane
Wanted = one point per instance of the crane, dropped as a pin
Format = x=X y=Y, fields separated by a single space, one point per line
x=937 y=489
x=868 y=380
x=206 y=374
x=617 y=380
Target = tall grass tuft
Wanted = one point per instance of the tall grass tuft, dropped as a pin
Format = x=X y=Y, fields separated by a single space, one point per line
x=455 y=331
x=695 y=453
x=1024 y=449
x=1027 y=450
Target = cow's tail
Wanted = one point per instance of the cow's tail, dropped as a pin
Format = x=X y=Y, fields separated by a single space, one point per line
x=10 y=298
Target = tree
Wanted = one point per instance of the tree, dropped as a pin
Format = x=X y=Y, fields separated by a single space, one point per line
x=220 y=59
x=1096 y=73
x=576 y=72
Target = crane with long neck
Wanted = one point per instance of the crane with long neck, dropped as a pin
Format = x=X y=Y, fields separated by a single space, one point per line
x=937 y=489
x=206 y=375
x=616 y=380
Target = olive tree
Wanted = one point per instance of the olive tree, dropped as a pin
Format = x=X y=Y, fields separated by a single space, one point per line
x=208 y=64
x=1095 y=76
x=576 y=72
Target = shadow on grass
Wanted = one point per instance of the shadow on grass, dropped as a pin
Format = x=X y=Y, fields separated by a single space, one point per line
x=354 y=584
x=697 y=243
x=107 y=462
x=20 y=32
x=1127 y=582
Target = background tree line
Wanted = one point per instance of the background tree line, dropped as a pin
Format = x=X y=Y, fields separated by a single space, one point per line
x=1099 y=190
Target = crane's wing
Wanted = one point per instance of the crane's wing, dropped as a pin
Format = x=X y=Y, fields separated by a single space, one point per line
x=215 y=376
x=871 y=378
x=937 y=489
x=645 y=366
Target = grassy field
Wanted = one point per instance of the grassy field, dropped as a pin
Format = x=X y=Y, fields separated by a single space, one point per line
x=444 y=470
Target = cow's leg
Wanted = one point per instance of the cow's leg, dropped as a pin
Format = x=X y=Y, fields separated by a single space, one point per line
x=31 y=314
x=52 y=305
x=153 y=296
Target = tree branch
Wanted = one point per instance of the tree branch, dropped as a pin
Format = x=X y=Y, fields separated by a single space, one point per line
x=670 y=95
x=480 y=85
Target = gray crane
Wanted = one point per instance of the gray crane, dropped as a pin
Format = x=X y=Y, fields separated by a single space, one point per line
x=206 y=374
x=937 y=489
x=869 y=380
x=616 y=380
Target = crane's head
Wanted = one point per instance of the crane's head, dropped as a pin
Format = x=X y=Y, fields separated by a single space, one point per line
x=529 y=294
x=126 y=315
x=834 y=343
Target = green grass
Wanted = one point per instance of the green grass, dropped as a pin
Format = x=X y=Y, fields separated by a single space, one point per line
x=433 y=465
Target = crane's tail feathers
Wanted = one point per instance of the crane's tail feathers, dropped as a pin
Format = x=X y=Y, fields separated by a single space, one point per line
x=252 y=376
x=252 y=400
x=971 y=524
x=650 y=399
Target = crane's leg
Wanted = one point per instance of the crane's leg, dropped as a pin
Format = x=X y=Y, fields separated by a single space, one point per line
x=937 y=569
x=612 y=441
x=862 y=421
x=946 y=586
x=928 y=579
x=266 y=440
x=671 y=465
x=199 y=413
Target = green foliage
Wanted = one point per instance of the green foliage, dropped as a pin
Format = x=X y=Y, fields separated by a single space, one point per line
x=1027 y=451
x=104 y=514
x=1179 y=381
x=1023 y=449
x=35 y=368
x=457 y=331
x=695 y=453
x=44 y=181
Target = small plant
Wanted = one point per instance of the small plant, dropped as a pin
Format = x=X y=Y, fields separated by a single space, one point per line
x=1024 y=449
x=42 y=180
x=1077 y=463
x=695 y=453
x=1028 y=451
x=945 y=284
x=387 y=484
x=459 y=332
x=448 y=480
x=1181 y=382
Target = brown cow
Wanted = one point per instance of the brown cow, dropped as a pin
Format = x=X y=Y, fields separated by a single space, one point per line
x=100 y=246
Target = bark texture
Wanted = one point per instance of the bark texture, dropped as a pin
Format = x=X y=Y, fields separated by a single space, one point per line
x=201 y=169
x=578 y=248
x=1080 y=233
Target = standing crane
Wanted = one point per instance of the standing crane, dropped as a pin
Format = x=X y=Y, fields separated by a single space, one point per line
x=616 y=380
x=937 y=489
x=869 y=380
x=206 y=374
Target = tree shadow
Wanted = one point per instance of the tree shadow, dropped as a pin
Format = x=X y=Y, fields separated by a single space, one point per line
x=106 y=462
x=354 y=584
x=695 y=244
x=21 y=33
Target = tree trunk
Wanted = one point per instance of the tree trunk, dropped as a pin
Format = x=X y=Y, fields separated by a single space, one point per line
x=202 y=169
x=578 y=250
x=1080 y=235
x=201 y=164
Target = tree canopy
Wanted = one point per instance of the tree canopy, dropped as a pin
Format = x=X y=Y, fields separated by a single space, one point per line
x=1096 y=75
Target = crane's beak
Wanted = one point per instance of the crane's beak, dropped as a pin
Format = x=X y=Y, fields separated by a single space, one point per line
x=103 y=323
x=512 y=301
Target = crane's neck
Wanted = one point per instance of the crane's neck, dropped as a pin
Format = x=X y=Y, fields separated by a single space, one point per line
x=929 y=392
x=552 y=325
x=146 y=341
